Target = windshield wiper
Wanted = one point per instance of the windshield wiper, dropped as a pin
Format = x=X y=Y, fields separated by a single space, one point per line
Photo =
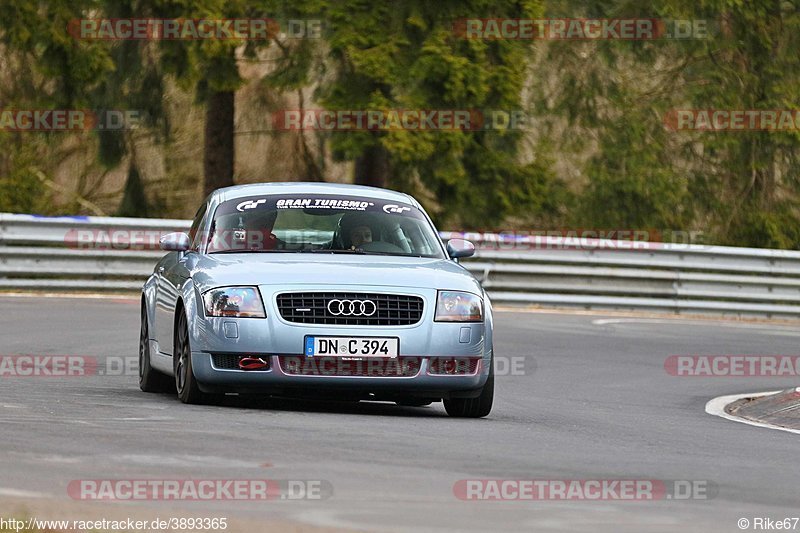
x=315 y=251
x=327 y=251
x=365 y=252
x=395 y=254
x=248 y=251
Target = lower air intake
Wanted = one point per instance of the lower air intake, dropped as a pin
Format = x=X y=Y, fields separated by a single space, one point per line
x=400 y=367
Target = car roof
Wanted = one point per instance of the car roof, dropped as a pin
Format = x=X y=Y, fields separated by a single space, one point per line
x=300 y=187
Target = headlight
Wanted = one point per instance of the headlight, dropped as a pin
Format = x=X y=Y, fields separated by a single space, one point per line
x=240 y=302
x=452 y=306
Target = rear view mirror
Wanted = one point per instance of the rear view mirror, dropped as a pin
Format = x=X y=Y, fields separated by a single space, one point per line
x=460 y=248
x=175 y=242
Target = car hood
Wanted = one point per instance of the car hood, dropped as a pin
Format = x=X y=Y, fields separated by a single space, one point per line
x=217 y=270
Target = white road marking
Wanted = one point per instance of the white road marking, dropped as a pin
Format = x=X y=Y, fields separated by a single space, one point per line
x=776 y=329
x=717 y=406
x=210 y=461
x=642 y=315
x=80 y=295
x=15 y=493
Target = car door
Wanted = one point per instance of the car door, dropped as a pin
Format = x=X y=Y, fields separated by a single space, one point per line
x=170 y=277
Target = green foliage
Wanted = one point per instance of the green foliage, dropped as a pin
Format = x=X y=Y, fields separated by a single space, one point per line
x=752 y=63
x=598 y=153
x=405 y=55
x=21 y=189
x=632 y=185
x=737 y=187
x=53 y=71
x=39 y=31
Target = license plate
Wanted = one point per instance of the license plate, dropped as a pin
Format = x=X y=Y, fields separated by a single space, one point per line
x=352 y=346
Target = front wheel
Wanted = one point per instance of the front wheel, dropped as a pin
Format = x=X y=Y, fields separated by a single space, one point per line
x=150 y=380
x=473 y=407
x=185 y=383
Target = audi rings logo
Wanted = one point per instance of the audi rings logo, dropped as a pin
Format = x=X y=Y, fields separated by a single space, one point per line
x=352 y=307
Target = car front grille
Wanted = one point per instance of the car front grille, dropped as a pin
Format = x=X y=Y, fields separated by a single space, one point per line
x=336 y=308
x=377 y=367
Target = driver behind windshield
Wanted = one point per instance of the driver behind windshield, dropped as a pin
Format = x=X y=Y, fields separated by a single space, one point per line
x=258 y=226
x=356 y=230
x=360 y=235
x=250 y=231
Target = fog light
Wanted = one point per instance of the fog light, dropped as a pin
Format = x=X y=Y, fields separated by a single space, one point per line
x=253 y=363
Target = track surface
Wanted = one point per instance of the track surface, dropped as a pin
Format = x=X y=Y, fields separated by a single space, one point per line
x=594 y=402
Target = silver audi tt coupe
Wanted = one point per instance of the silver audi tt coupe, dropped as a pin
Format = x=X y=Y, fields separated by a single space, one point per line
x=321 y=291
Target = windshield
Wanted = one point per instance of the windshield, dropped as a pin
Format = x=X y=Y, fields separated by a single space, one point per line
x=322 y=224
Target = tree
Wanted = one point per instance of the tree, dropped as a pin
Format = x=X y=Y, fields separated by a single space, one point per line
x=207 y=66
x=739 y=187
x=750 y=180
x=406 y=55
x=47 y=69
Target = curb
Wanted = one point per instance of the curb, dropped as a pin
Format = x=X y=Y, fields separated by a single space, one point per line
x=772 y=409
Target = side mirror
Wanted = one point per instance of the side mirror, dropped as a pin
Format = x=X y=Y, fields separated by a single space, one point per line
x=175 y=242
x=460 y=248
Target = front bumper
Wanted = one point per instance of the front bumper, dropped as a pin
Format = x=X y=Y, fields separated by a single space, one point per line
x=273 y=338
x=277 y=381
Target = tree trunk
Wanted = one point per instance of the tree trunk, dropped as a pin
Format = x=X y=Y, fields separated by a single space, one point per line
x=134 y=201
x=218 y=154
x=372 y=167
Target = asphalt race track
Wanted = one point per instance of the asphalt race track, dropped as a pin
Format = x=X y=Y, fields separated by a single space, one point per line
x=586 y=400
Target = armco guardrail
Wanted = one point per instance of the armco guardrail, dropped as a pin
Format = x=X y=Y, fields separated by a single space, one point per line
x=117 y=254
x=80 y=253
x=679 y=278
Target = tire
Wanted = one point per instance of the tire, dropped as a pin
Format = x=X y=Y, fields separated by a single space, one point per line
x=185 y=383
x=150 y=380
x=473 y=407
